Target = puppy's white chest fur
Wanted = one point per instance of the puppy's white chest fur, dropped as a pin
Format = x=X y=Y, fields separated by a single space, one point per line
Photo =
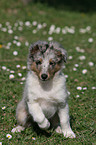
x=48 y=108
x=48 y=94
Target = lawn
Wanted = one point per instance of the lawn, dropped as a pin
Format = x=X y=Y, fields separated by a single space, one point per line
x=20 y=26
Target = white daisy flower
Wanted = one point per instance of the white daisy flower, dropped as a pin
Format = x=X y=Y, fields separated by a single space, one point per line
x=39 y=26
x=3 y=108
x=79 y=88
x=4 y=29
x=58 y=29
x=9 y=136
x=77 y=96
x=20 y=28
x=14 y=41
x=34 y=31
x=93 y=88
x=52 y=28
x=26 y=43
x=19 y=74
x=82 y=30
x=12 y=71
x=23 y=79
x=7 y=47
x=78 y=49
x=82 y=57
x=68 y=93
x=50 y=38
x=0 y=143
x=15 y=53
x=4 y=67
x=76 y=65
x=91 y=63
x=9 y=27
x=70 y=57
x=90 y=40
x=50 y=32
x=72 y=31
x=82 y=50
x=24 y=67
x=66 y=76
x=34 y=23
x=88 y=28
x=16 y=37
x=84 y=71
x=44 y=24
x=21 y=83
x=8 y=69
x=16 y=24
x=33 y=138
x=74 y=69
x=18 y=66
x=85 y=88
x=18 y=43
x=20 y=23
x=10 y=31
x=0 y=25
x=11 y=76
x=9 y=44
x=64 y=31
x=27 y=23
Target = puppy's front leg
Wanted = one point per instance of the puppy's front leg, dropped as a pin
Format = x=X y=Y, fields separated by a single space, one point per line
x=64 y=121
x=38 y=116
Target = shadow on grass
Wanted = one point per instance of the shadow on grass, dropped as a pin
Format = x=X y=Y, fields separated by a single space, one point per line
x=47 y=133
x=71 y=5
x=72 y=119
x=40 y=131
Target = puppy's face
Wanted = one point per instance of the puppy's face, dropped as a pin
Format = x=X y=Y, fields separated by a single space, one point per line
x=46 y=60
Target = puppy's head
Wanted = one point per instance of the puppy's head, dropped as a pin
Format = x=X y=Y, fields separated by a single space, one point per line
x=46 y=59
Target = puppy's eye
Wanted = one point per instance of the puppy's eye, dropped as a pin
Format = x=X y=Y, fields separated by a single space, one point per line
x=52 y=63
x=38 y=62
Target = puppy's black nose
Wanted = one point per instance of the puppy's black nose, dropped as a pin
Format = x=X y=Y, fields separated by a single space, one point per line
x=44 y=76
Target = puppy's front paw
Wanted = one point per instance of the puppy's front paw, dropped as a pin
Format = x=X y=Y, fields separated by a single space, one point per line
x=44 y=125
x=69 y=133
x=18 y=129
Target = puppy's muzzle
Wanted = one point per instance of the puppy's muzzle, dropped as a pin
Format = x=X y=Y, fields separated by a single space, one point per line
x=44 y=77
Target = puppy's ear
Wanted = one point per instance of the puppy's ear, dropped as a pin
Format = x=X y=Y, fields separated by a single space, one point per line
x=64 y=54
x=61 y=52
x=33 y=49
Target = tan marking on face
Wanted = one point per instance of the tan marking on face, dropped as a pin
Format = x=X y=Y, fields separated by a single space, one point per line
x=40 y=60
x=51 y=72
x=35 y=69
x=50 y=60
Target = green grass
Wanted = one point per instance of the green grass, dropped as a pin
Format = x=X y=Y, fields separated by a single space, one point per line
x=82 y=109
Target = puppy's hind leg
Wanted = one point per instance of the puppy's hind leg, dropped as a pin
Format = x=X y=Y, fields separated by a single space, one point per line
x=21 y=113
x=21 y=116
